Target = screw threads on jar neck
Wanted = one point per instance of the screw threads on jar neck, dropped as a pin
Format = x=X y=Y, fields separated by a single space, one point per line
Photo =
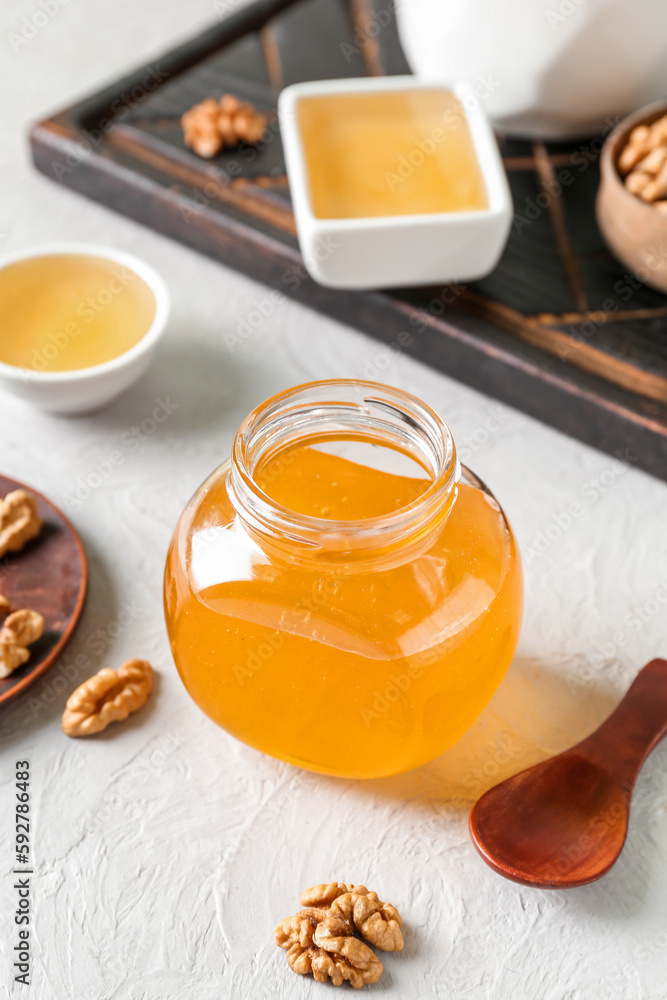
x=339 y=409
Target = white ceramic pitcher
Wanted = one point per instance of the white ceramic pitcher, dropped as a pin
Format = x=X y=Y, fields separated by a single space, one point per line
x=550 y=69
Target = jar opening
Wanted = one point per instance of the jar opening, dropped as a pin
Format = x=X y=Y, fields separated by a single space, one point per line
x=365 y=423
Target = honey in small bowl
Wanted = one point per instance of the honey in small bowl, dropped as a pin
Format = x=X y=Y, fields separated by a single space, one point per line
x=62 y=312
x=374 y=154
x=395 y=182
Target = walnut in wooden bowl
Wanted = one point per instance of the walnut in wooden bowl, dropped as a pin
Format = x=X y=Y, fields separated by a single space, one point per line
x=631 y=214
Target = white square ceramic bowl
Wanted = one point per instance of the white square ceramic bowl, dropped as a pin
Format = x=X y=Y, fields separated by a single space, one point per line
x=400 y=250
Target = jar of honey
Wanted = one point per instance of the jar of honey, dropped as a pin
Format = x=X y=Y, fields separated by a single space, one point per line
x=342 y=594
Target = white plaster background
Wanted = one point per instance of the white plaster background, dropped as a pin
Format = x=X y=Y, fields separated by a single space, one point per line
x=165 y=850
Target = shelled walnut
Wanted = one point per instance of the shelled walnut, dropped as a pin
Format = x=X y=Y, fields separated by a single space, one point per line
x=643 y=163
x=107 y=696
x=19 y=630
x=376 y=921
x=19 y=521
x=320 y=938
x=213 y=125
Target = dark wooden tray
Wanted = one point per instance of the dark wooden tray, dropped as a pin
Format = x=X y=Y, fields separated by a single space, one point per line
x=558 y=330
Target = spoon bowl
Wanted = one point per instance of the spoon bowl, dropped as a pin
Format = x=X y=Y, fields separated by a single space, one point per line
x=563 y=823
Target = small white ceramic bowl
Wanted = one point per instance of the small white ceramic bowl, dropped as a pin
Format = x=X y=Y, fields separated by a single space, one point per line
x=399 y=250
x=83 y=390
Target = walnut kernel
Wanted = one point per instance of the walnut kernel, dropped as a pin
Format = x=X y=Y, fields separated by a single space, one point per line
x=11 y=657
x=320 y=938
x=327 y=950
x=377 y=922
x=212 y=125
x=20 y=629
x=107 y=696
x=19 y=521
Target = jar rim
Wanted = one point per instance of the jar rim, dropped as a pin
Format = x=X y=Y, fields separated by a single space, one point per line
x=295 y=413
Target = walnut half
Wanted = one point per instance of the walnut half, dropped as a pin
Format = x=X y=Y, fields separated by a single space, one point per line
x=320 y=938
x=107 y=697
x=20 y=629
x=212 y=126
x=327 y=949
x=377 y=922
x=19 y=521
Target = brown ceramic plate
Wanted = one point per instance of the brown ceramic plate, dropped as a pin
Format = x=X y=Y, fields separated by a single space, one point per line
x=49 y=575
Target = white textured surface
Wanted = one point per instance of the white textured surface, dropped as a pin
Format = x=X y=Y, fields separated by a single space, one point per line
x=166 y=851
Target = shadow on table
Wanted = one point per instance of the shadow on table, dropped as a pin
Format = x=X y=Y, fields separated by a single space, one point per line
x=190 y=384
x=541 y=708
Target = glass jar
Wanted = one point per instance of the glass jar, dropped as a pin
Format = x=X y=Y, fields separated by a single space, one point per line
x=342 y=594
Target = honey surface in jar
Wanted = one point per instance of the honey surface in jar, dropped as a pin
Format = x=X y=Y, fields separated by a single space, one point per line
x=67 y=311
x=359 y=669
x=401 y=152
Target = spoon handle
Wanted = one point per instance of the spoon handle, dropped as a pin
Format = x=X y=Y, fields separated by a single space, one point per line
x=634 y=728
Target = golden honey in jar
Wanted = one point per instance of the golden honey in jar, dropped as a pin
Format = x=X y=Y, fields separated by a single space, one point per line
x=342 y=594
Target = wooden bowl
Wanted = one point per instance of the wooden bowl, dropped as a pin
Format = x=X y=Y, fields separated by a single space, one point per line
x=635 y=232
x=49 y=575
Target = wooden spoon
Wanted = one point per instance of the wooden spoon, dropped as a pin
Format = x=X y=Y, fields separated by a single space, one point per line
x=564 y=822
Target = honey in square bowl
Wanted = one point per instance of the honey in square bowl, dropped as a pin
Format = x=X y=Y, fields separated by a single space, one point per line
x=394 y=182
x=342 y=595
